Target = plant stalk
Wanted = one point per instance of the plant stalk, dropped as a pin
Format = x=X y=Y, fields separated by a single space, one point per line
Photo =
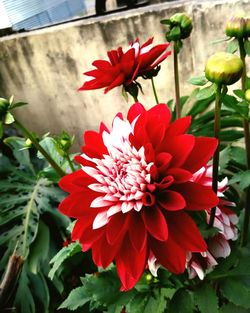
x=176 y=83
x=36 y=144
x=245 y=231
x=216 y=157
x=154 y=90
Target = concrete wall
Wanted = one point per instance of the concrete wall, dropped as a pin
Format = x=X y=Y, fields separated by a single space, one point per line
x=45 y=67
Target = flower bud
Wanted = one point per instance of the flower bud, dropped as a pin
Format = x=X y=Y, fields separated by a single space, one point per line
x=235 y=27
x=184 y=22
x=223 y=68
x=238 y=27
x=247 y=95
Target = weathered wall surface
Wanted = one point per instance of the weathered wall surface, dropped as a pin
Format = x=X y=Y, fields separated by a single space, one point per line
x=45 y=67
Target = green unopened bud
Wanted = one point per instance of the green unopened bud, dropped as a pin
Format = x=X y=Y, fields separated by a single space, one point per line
x=238 y=27
x=149 y=277
x=247 y=95
x=224 y=68
x=184 y=22
x=28 y=143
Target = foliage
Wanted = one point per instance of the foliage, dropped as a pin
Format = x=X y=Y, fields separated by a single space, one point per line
x=29 y=220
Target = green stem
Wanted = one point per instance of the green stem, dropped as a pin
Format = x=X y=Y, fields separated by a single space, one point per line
x=154 y=90
x=36 y=144
x=70 y=162
x=216 y=157
x=245 y=231
x=176 y=82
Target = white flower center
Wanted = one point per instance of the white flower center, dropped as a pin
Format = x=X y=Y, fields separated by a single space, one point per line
x=122 y=175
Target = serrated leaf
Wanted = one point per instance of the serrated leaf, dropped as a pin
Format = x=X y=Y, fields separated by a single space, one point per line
x=22 y=156
x=182 y=302
x=231 y=308
x=157 y=302
x=236 y=291
x=206 y=93
x=243 y=178
x=137 y=304
x=232 y=46
x=206 y=299
x=77 y=298
x=198 y=81
x=62 y=255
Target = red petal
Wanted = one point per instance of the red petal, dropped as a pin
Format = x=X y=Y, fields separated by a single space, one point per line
x=149 y=57
x=137 y=231
x=102 y=65
x=179 y=127
x=179 y=147
x=180 y=175
x=160 y=59
x=94 y=140
x=197 y=197
x=90 y=236
x=130 y=264
x=117 y=82
x=185 y=232
x=155 y=223
x=116 y=227
x=103 y=254
x=135 y=110
x=162 y=111
x=170 y=255
x=171 y=200
x=202 y=152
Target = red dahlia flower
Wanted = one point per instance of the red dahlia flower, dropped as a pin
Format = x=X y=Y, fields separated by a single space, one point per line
x=134 y=192
x=124 y=67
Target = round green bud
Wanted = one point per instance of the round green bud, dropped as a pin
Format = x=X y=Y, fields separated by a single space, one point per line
x=28 y=143
x=223 y=68
x=184 y=22
x=247 y=95
x=235 y=27
x=149 y=277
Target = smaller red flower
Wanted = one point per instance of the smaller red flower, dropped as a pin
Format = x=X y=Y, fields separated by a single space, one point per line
x=123 y=68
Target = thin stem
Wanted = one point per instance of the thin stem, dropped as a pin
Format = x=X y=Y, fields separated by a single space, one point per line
x=36 y=144
x=176 y=82
x=154 y=90
x=245 y=230
x=70 y=162
x=216 y=157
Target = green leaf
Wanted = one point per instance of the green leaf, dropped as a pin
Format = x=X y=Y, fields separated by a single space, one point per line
x=182 y=302
x=198 y=81
x=24 y=300
x=17 y=104
x=157 y=302
x=236 y=291
x=40 y=291
x=247 y=47
x=231 y=308
x=63 y=255
x=166 y=21
x=239 y=93
x=232 y=46
x=22 y=156
x=137 y=303
x=77 y=298
x=9 y=118
x=39 y=249
x=206 y=92
x=243 y=178
x=206 y=299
